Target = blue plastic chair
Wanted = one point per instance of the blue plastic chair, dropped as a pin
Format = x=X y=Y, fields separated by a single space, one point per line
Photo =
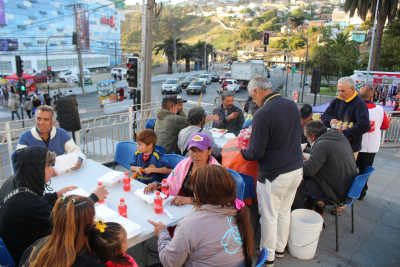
x=249 y=187
x=247 y=124
x=239 y=183
x=150 y=123
x=174 y=159
x=5 y=257
x=124 y=154
x=12 y=160
x=262 y=258
x=161 y=149
x=354 y=193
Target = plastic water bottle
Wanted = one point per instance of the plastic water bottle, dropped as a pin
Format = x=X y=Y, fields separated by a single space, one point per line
x=100 y=184
x=165 y=188
x=158 y=203
x=127 y=182
x=122 y=208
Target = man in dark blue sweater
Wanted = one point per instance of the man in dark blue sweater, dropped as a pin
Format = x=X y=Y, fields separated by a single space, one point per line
x=275 y=143
x=348 y=107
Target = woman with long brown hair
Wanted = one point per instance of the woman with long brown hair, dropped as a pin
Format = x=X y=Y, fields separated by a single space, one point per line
x=67 y=245
x=218 y=233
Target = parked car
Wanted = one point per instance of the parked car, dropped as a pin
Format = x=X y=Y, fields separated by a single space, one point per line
x=196 y=87
x=74 y=74
x=187 y=81
x=273 y=66
x=116 y=71
x=171 y=86
x=224 y=76
x=226 y=67
x=205 y=78
x=232 y=85
x=40 y=77
x=214 y=77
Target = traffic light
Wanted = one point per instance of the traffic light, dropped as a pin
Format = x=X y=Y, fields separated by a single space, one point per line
x=22 y=85
x=265 y=49
x=20 y=66
x=74 y=38
x=48 y=71
x=227 y=49
x=266 y=38
x=133 y=72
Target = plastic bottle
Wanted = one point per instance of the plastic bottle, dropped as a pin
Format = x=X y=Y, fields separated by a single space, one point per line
x=127 y=182
x=100 y=184
x=240 y=139
x=165 y=188
x=122 y=208
x=246 y=140
x=339 y=126
x=345 y=126
x=351 y=124
x=158 y=203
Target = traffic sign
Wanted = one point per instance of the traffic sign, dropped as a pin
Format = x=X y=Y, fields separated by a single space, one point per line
x=288 y=70
x=293 y=69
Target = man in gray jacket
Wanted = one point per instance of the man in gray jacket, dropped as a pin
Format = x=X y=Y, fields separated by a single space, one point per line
x=331 y=169
x=230 y=117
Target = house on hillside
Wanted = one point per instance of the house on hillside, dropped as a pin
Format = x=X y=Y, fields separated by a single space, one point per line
x=316 y=23
x=359 y=36
x=221 y=9
x=327 y=17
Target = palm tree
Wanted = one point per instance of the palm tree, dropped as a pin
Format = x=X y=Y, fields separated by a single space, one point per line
x=199 y=48
x=387 y=11
x=187 y=52
x=343 y=41
x=168 y=49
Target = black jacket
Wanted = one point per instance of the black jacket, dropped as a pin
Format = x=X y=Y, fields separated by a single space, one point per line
x=234 y=125
x=24 y=218
x=332 y=165
x=275 y=139
x=355 y=111
x=82 y=260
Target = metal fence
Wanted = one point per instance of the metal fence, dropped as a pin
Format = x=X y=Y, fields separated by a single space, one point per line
x=393 y=133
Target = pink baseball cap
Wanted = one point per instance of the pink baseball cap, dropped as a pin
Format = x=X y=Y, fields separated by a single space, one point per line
x=200 y=140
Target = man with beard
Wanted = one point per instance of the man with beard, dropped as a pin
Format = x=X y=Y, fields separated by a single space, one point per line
x=179 y=104
x=197 y=120
x=230 y=117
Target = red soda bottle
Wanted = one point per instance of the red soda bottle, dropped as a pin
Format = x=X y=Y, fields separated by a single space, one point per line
x=165 y=188
x=127 y=182
x=246 y=140
x=240 y=140
x=100 y=184
x=122 y=208
x=158 y=203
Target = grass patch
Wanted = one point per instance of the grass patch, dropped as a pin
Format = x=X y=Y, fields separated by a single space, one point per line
x=327 y=91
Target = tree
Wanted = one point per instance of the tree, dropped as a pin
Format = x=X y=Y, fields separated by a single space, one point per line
x=295 y=42
x=199 y=51
x=322 y=57
x=168 y=49
x=390 y=50
x=207 y=21
x=297 y=17
x=386 y=12
x=267 y=16
x=248 y=34
x=247 y=10
x=366 y=25
x=187 y=52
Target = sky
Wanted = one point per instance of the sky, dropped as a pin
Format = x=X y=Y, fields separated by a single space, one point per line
x=132 y=2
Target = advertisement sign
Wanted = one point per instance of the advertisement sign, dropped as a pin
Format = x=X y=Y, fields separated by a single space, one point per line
x=2 y=13
x=293 y=69
x=108 y=21
x=8 y=44
x=83 y=24
x=295 y=96
x=104 y=100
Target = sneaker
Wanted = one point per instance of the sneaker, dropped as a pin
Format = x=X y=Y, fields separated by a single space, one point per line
x=279 y=254
x=269 y=263
x=339 y=211
x=320 y=207
x=362 y=196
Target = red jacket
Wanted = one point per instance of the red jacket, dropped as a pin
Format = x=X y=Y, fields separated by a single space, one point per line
x=131 y=260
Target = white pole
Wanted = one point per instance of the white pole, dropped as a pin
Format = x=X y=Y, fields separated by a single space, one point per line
x=372 y=42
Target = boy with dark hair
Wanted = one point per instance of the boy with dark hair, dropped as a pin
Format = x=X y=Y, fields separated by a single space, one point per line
x=148 y=158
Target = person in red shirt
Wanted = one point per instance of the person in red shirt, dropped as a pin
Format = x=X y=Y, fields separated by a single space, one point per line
x=371 y=140
x=109 y=242
x=224 y=85
x=121 y=93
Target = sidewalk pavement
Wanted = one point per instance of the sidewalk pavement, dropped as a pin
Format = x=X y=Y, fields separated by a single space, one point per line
x=375 y=241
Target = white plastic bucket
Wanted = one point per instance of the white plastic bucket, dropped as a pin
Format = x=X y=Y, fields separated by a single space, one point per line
x=305 y=228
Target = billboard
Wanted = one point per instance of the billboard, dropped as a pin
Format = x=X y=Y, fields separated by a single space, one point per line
x=83 y=23
x=8 y=44
x=2 y=13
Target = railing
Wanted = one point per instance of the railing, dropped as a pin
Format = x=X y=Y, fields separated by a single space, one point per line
x=393 y=133
x=98 y=137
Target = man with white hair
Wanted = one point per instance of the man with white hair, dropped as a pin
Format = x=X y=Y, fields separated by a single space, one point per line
x=348 y=107
x=275 y=144
x=45 y=134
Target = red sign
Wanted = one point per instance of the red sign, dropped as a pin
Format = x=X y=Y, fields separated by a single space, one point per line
x=295 y=96
x=108 y=21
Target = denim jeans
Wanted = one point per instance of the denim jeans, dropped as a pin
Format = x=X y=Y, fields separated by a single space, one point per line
x=14 y=112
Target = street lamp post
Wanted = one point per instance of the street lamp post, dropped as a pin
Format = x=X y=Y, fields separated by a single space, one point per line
x=47 y=62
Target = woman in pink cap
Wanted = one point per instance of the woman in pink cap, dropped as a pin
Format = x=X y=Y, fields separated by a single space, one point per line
x=200 y=147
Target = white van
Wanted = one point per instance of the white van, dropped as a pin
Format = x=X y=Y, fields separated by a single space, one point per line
x=74 y=74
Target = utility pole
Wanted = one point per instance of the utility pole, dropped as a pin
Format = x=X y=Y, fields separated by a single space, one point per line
x=146 y=80
x=115 y=45
x=175 y=63
x=78 y=47
x=212 y=53
x=205 y=51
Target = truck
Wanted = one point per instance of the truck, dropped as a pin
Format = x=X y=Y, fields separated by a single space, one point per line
x=243 y=72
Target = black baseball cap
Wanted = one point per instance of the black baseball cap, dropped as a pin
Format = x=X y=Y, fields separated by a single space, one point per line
x=178 y=99
x=305 y=111
x=196 y=113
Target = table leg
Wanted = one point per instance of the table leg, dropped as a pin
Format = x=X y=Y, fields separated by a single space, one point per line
x=145 y=259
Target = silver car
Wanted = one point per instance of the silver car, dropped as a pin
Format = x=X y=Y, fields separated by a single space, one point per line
x=171 y=86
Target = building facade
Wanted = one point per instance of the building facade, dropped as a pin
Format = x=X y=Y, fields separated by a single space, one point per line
x=31 y=27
